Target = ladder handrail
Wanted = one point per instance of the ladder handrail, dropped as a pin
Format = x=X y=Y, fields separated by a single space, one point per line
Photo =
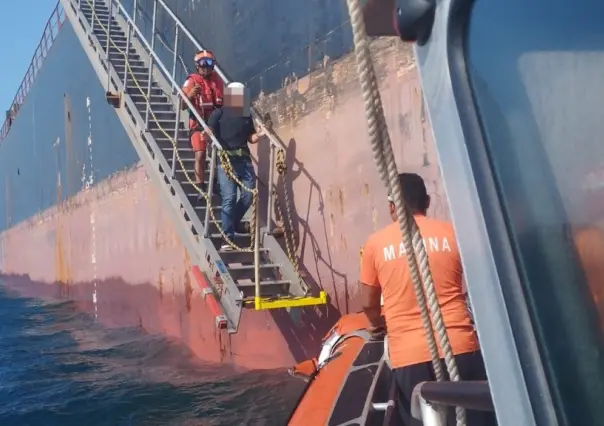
x=50 y=33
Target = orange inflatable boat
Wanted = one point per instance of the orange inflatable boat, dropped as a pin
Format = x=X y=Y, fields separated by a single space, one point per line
x=350 y=383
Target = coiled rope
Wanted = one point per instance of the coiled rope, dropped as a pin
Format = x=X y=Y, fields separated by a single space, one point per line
x=381 y=146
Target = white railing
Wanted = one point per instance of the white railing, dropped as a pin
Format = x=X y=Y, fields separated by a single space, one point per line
x=51 y=30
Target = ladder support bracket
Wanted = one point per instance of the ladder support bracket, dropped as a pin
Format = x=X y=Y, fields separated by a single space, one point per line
x=221 y=322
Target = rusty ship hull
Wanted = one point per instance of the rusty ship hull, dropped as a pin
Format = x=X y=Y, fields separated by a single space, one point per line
x=80 y=220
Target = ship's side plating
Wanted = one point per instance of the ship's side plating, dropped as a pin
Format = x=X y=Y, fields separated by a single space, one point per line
x=80 y=219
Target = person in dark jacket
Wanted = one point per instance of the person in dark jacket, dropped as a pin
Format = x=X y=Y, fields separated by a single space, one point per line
x=234 y=129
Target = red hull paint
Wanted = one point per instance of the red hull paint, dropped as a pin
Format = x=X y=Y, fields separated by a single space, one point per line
x=117 y=239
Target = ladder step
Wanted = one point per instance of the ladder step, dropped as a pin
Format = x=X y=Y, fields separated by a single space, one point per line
x=237 y=236
x=203 y=207
x=186 y=159
x=98 y=31
x=162 y=107
x=182 y=176
x=118 y=38
x=251 y=267
x=231 y=257
x=186 y=154
x=97 y=6
x=228 y=254
x=167 y=119
x=264 y=283
x=102 y=18
x=114 y=54
x=268 y=288
x=131 y=84
x=245 y=275
x=142 y=79
x=100 y=14
x=120 y=54
x=240 y=240
x=156 y=91
x=97 y=10
x=188 y=171
x=166 y=123
x=153 y=98
x=164 y=142
x=136 y=67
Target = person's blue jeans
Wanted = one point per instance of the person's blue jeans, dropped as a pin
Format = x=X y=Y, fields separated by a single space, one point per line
x=234 y=209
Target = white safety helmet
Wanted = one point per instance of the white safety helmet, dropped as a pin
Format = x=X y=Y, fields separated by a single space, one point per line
x=236 y=88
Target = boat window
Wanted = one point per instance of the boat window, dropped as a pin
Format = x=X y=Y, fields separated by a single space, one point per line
x=536 y=71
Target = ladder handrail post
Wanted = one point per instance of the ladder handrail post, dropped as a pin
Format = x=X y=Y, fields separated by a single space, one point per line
x=175 y=149
x=134 y=10
x=257 y=302
x=148 y=106
x=128 y=38
x=176 y=34
x=129 y=34
x=92 y=16
x=206 y=220
x=271 y=176
x=108 y=44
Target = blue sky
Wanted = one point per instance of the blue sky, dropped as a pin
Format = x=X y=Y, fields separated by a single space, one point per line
x=21 y=25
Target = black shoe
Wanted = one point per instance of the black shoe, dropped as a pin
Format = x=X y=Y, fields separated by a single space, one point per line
x=243 y=228
x=200 y=196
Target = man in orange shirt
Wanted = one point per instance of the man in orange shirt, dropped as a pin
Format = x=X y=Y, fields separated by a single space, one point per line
x=385 y=273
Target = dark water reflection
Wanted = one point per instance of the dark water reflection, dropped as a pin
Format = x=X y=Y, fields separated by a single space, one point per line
x=57 y=367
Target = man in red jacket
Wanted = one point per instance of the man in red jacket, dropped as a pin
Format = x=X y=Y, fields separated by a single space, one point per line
x=205 y=90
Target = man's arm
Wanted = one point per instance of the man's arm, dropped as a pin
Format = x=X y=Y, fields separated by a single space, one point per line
x=191 y=90
x=370 y=288
x=213 y=122
x=254 y=135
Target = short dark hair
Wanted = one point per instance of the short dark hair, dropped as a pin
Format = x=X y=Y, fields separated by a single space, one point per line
x=414 y=190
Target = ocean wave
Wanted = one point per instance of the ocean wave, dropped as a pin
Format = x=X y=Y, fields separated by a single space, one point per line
x=58 y=367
